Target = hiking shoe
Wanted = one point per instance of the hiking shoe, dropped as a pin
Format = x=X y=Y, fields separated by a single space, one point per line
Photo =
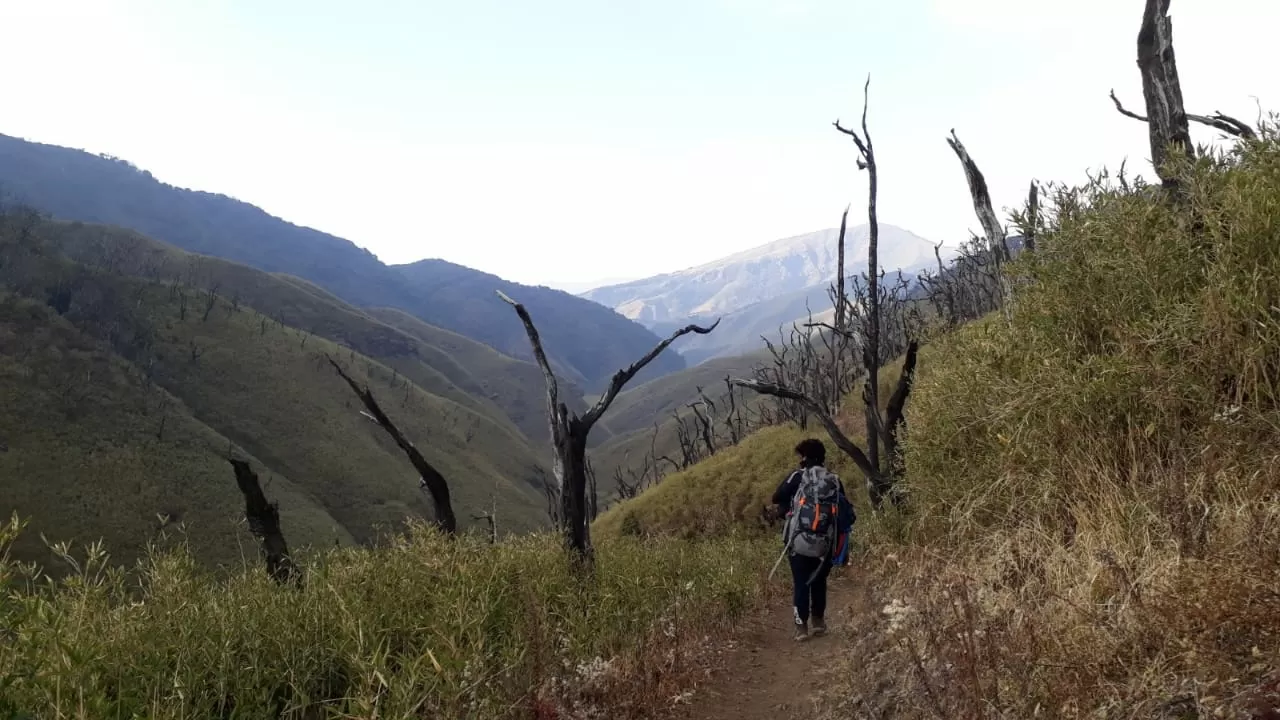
x=819 y=625
x=802 y=632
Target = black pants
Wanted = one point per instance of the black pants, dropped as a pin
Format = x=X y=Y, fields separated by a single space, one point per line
x=809 y=595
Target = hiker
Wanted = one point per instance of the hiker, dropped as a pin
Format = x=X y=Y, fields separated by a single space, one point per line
x=818 y=519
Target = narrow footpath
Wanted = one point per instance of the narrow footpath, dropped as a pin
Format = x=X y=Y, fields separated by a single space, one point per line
x=765 y=674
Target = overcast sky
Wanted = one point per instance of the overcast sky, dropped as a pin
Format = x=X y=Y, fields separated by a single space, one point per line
x=573 y=140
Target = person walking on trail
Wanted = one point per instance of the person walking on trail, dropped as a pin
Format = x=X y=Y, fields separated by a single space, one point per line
x=815 y=535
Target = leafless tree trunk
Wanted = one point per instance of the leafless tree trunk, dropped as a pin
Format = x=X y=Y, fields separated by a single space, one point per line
x=211 y=301
x=491 y=518
x=1167 y=123
x=706 y=422
x=1033 y=218
x=1166 y=117
x=430 y=479
x=841 y=329
x=264 y=523
x=895 y=417
x=569 y=432
x=879 y=485
x=593 y=494
x=871 y=347
x=733 y=418
x=987 y=217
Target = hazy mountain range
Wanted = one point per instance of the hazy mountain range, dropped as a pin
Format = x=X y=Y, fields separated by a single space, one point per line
x=758 y=290
x=152 y=330
x=588 y=343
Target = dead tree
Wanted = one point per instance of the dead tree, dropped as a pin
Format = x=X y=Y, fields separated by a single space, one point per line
x=837 y=435
x=879 y=484
x=264 y=522
x=790 y=358
x=686 y=437
x=490 y=517
x=593 y=493
x=1225 y=123
x=895 y=417
x=987 y=218
x=841 y=300
x=1167 y=118
x=210 y=301
x=1031 y=223
x=569 y=431
x=733 y=420
x=430 y=479
x=871 y=357
x=1167 y=123
x=705 y=422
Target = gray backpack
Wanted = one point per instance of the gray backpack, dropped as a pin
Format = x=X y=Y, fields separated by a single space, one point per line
x=812 y=523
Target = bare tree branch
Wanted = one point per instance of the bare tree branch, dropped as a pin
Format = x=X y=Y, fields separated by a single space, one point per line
x=837 y=435
x=622 y=377
x=491 y=518
x=264 y=522
x=431 y=479
x=1225 y=123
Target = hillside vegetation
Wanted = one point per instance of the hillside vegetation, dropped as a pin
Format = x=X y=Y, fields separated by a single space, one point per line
x=1091 y=525
x=423 y=628
x=124 y=395
x=1093 y=517
x=438 y=361
x=1094 y=483
x=587 y=341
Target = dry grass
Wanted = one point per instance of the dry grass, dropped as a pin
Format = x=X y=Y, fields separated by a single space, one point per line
x=427 y=627
x=1094 y=528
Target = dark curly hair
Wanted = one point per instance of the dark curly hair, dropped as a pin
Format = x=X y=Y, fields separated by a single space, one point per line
x=812 y=451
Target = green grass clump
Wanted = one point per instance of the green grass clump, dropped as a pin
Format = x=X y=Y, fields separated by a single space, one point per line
x=725 y=493
x=425 y=627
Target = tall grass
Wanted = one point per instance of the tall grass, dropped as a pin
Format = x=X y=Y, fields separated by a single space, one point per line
x=1094 y=527
x=425 y=627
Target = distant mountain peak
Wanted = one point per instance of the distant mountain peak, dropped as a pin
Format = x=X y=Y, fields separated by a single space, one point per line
x=759 y=274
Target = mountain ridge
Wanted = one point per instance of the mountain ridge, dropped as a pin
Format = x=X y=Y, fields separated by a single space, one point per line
x=757 y=290
x=77 y=185
x=125 y=389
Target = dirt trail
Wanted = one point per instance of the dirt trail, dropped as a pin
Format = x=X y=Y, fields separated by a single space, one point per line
x=764 y=673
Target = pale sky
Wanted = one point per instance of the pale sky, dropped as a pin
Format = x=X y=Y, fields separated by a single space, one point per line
x=567 y=141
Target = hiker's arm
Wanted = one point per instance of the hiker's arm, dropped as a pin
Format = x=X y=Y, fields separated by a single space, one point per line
x=782 y=496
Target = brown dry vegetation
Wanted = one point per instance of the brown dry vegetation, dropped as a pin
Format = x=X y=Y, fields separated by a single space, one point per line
x=1093 y=526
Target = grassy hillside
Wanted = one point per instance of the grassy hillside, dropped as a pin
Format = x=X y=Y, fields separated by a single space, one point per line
x=287 y=300
x=1102 y=467
x=86 y=455
x=637 y=407
x=439 y=361
x=517 y=386
x=1093 y=522
x=234 y=377
x=582 y=336
x=726 y=491
x=586 y=338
